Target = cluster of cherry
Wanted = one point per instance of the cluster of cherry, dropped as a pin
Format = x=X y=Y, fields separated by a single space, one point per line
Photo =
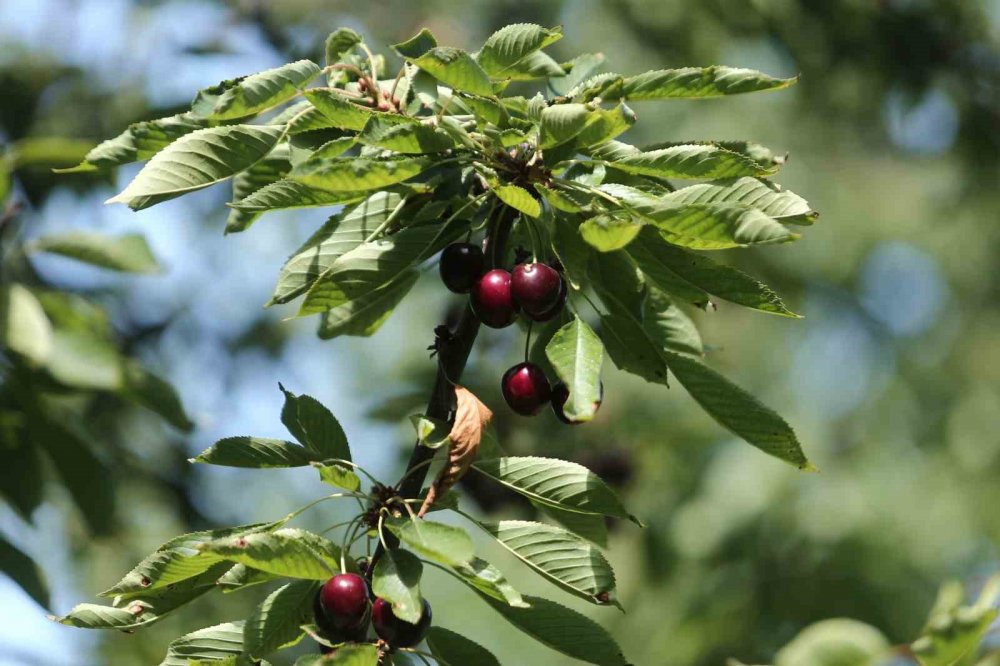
x=535 y=289
x=344 y=607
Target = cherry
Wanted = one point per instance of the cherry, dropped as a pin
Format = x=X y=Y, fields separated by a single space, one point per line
x=554 y=311
x=396 y=632
x=537 y=289
x=560 y=394
x=525 y=388
x=461 y=265
x=344 y=601
x=492 y=300
x=333 y=634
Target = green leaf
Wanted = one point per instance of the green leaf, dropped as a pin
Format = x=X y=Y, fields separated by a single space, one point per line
x=155 y=394
x=519 y=199
x=352 y=654
x=738 y=410
x=199 y=159
x=248 y=96
x=559 y=483
x=210 y=644
x=645 y=251
x=350 y=174
x=696 y=82
x=605 y=124
x=128 y=253
x=432 y=433
x=341 y=233
x=667 y=265
x=573 y=252
x=397 y=580
x=451 y=648
x=536 y=65
x=268 y=171
x=416 y=46
x=607 y=233
x=278 y=619
x=256 y=452
x=694 y=161
x=24 y=327
x=560 y=556
x=444 y=543
x=239 y=577
x=176 y=560
x=485 y=578
x=139 y=142
x=590 y=526
x=763 y=195
x=836 y=642
x=23 y=571
x=287 y=194
x=632 y=349
x=143 y=609
x=289 y=552
x=338 y=476
x=315 y=426
x=364 y=315
x=338 y=110
x=79 y=359
x=578 y=70
x=454 y=68
x=340 y=42
x=510 y=45
x=562 y=122
x=668 y=326
x=564 y=630
x=404 y=135
x=952 y=633
x=576 y=354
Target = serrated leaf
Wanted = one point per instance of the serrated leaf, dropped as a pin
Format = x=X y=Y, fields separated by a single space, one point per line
x=341 y=233
x=563 y=558
x=695 y=82
x=573 y=252
x=604 y=125
x=565 y=199
x=24 y=571
x=763 y=195
x=397 y=580
x=128 y=253
x=592 y=527
x=669 y=326
x=278 y=619
x=407 y=136
x=835 y=642
x=24 y=327
x=268 y=171
x=315 y=426
x=338 y=111
x=559 y=483
x=537 y=65
x=199 y=159
x=632 y=349
x=416 y=46
x=289 y=552
x=562 y=122
x=451 y=648
x=240 y=576
x=139 y=142
x=287 y=194
x=350 y=174
x=254 y=452
x=485 y=578
x=212 y=644
x=178 y=559
x=508 y=47
x=364 y=315
x=454 y=68
x=564 y=630
x=352 y=654
x=444 y=543
x=669 y=266
x=576 y=354
x=338 y=476
x=691 y=161
x=519 y=199
x=607 y=233
x=248 y=96
x=339 y=42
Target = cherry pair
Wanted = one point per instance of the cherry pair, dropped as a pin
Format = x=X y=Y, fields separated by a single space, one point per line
x=527 y=390
x=343 y=608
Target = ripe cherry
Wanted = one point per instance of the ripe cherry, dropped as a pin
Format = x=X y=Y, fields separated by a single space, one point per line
x=344 y=601
x=396 y=632
x=537 y=289
x=492 y=300
x=560 y=394
x=461 y=265
x=525 y=388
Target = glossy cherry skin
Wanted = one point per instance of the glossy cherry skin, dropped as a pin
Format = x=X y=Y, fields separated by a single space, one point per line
x=344 y=600
x=395 y=632
x=492 y=300
x=333 y=634
x=526 y=389
x=554 y=311
x=461 y=266
x=560 y=394
x=536 y=288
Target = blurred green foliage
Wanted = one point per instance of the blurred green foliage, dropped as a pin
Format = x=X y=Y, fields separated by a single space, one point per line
x=891 y=380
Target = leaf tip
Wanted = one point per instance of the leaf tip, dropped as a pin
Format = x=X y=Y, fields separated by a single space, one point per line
x=809 y=467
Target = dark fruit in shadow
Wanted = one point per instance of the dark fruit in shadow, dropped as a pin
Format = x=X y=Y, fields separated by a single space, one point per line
x=395 y=632
x=461 y=266
x=526 y=389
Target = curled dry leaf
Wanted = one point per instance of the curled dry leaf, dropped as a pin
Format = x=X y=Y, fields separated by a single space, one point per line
x=471 y=418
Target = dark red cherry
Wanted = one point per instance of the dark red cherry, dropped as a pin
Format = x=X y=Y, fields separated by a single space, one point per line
x=492 y=300
x=461 y=265
x=396 y=632
x=334 y=634
x=344 y=600
x=526 y=389
x=536 y=288
x=560 y=394
x=554 y=311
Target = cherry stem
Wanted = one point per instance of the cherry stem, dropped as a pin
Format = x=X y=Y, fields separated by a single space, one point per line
x=453 y=357
x=527 y=341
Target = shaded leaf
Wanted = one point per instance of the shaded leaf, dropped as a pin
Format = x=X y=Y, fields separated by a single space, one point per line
x=397 y=580
x=128 y=253
x=452 y=648
x=23 y=571
x=454 y=68
x=211 y=644
x=485 y=578
x=315 y=426
x=278 y=619
x=836 y=642
x=268 y=171
x=256 y=452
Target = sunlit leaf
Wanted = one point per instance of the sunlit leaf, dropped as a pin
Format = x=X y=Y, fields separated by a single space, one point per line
x=256 y=452
x=397 y=580
x=24 y=327
x=576 y=354
x=510 y=45
x=454 y=68
x=315 y=426
x=289 y=552
x=210 y=644
x=247 y=96
x=444 y=543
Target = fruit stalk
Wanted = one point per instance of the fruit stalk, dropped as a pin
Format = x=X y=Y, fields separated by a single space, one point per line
x=452 y=357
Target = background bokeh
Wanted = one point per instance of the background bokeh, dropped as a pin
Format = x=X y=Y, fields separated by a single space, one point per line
x=892 y=379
